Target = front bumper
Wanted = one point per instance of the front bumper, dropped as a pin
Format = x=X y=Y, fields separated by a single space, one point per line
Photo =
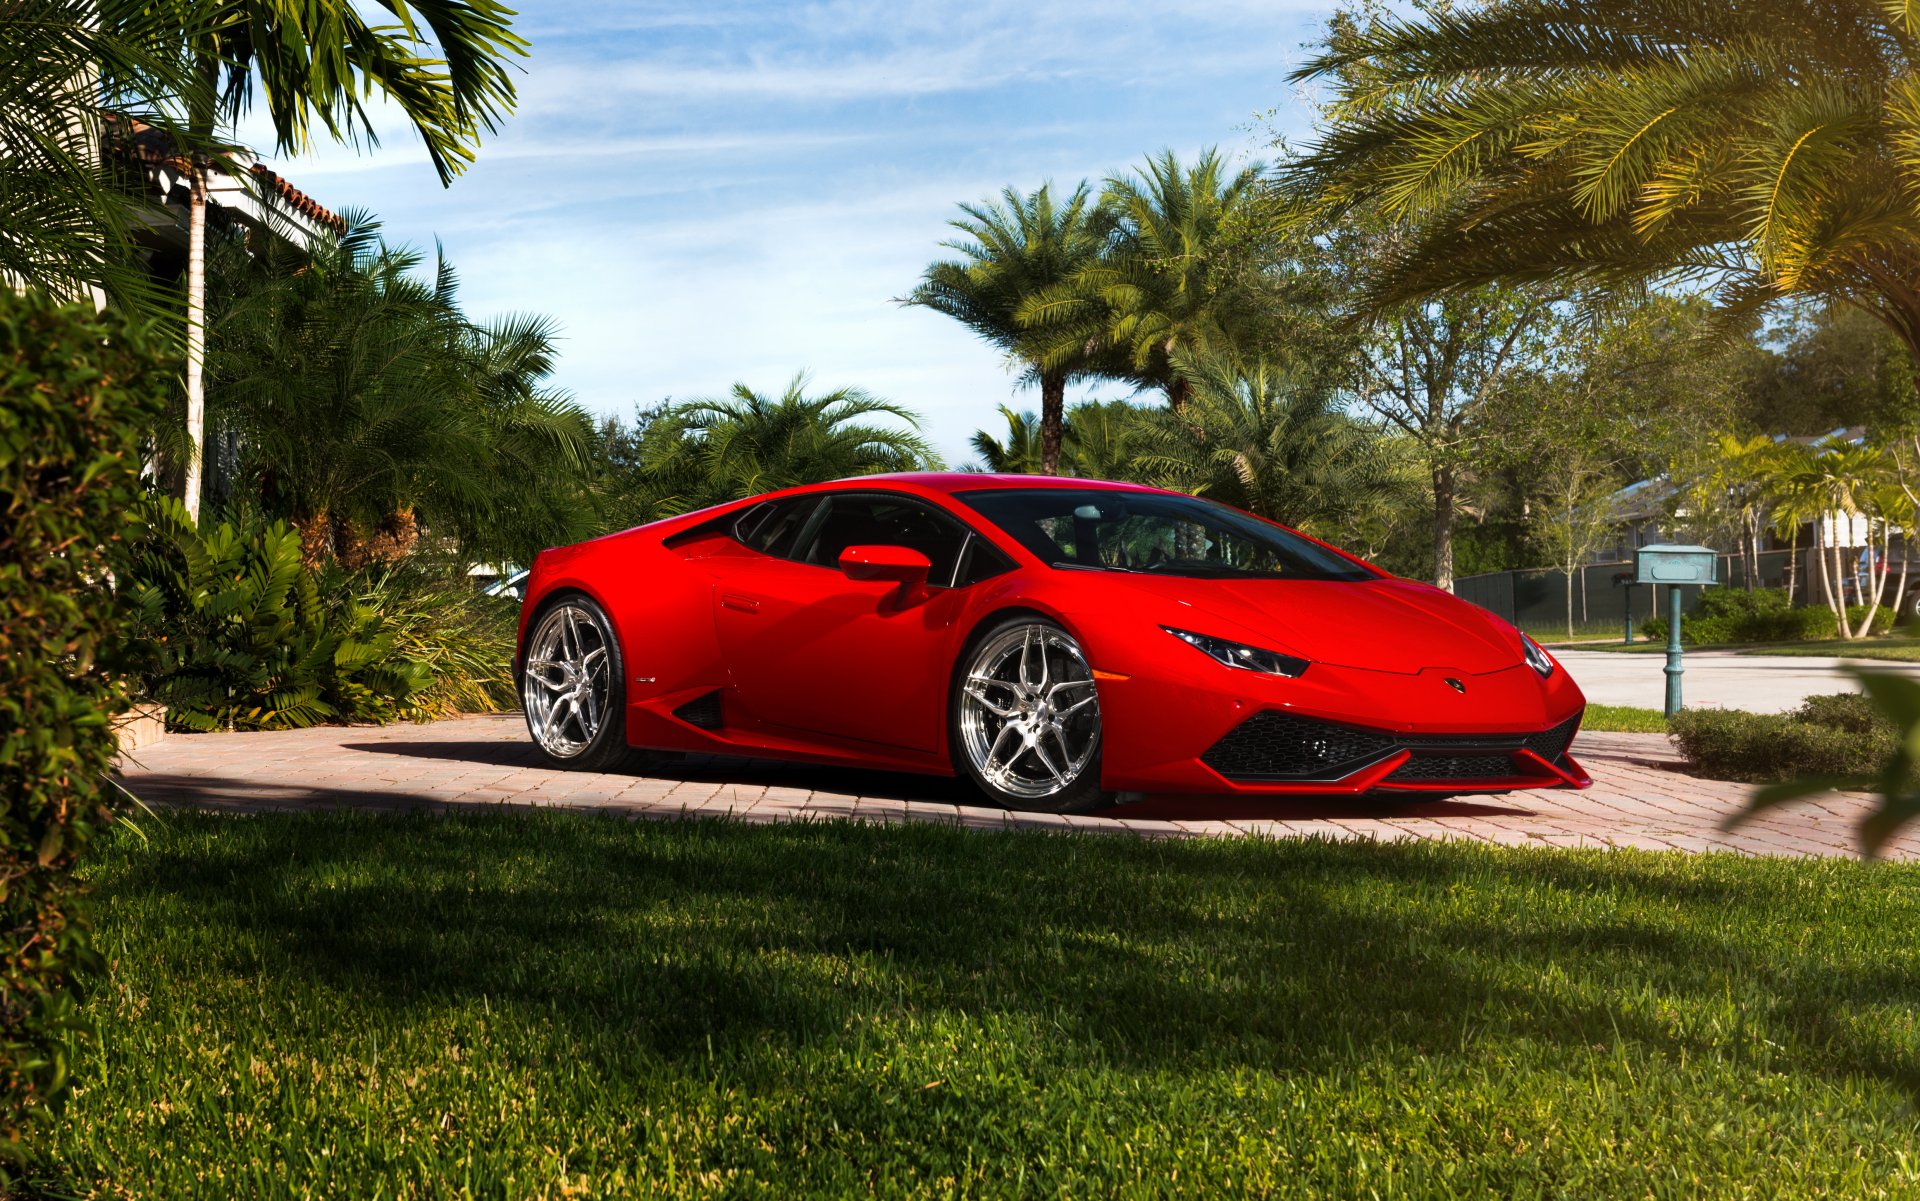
x=1341 y=730
x=1275 y=747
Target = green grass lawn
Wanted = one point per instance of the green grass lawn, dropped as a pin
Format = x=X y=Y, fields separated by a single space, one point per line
x=560 y=1006
x=1627 y=719
x=1883 y=647
x=1904 y=650
x=1580 y=639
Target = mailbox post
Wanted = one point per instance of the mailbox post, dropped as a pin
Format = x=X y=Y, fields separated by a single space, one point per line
x=1625 y=578
x=1675 y=566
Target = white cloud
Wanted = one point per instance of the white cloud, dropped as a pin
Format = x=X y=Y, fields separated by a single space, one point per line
x=734 y=192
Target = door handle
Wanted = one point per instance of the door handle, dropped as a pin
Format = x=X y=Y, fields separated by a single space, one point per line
x=743 y=604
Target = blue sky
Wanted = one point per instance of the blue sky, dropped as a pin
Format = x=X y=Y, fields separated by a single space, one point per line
x=705 y=193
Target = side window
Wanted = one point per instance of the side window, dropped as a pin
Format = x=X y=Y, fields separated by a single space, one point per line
x=771 y=528
x=868 y=520
x=980 y=561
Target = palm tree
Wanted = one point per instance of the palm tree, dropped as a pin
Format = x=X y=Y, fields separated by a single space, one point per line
x=1021 y=453
x=1789 y=504
x=442 y=64
x=1890 y=501
x=1832 y=482
x=1734 y=481
x=1102 y=437
x=748 y=442
x=1159 y=289
x=63 y=220
x=1252 y=436
x=1770 y=147
x=365 y=404
x=1011 y=252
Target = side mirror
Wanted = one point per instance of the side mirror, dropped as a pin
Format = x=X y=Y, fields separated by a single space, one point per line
x=895 y=563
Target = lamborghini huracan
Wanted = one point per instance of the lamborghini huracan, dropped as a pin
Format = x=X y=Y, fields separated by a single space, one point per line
x=1054 y=641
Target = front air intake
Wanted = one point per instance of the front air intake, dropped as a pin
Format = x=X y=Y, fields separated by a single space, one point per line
x=1286 y=747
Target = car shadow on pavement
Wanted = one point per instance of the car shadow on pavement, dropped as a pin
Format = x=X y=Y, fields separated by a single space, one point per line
x=1312 y=808
x=491 y=752
x=900 y=786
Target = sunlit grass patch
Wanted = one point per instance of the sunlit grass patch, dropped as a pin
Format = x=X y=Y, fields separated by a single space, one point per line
x=552 y=1005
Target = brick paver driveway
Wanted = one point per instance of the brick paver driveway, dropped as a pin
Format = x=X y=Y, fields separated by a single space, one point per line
x=1638 y=798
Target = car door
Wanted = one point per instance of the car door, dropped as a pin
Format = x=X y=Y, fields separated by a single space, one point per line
x=811 y=650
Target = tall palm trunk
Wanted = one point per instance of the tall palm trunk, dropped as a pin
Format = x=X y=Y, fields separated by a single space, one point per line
x=1053 y=419
x=200 y=129
x=1793 y=562
x=1900 y=589
x=196 y=335
x=1833 y=584
x=1872 y=605
x=1875 y=579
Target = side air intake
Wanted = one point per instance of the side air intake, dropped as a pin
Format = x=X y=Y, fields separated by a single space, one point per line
x=702 y=711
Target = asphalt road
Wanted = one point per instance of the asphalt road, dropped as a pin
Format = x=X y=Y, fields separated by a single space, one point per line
x=1720 y=679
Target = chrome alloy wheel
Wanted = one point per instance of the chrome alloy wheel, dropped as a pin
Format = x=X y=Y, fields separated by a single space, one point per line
x=566 y=680
x=1029 y=715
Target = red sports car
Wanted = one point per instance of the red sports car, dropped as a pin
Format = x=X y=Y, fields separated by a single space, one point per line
x=1055 y=641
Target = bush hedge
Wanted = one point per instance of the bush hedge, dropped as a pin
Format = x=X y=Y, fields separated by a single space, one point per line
x=1835 y=735
x=1731 y=615
x=76 y=389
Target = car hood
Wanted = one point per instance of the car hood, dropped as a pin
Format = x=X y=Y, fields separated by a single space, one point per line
x=1375 y=625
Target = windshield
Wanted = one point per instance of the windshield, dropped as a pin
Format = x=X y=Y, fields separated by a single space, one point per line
x=1105 y=530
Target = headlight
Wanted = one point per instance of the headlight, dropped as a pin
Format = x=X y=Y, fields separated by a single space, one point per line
x=1537 y=659
x=1235 y=654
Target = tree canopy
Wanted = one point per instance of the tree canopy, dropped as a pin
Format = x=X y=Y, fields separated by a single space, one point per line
x=1765 y=149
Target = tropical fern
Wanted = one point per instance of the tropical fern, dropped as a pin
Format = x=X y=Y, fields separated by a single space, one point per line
x=238 y=633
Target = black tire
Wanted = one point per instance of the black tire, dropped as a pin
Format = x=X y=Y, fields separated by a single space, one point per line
x=969 y=722
x=570 y=741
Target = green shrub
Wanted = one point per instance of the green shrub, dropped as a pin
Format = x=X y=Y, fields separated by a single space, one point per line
x=464 y=638
x=1837 y=735
x=1853 y=712
x=1737 y=615
x=242 y=635
x=75 y=390
x=1764 y=615
x=1882 y=618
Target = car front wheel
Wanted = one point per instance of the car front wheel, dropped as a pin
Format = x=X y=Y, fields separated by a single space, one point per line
x=572 y=690
x=1026 y=718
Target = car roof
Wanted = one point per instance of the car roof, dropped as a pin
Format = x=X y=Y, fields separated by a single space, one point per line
x=975 y=481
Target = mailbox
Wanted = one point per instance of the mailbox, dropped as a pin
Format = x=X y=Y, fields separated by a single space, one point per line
x=1675 y=566
x=1667 y=564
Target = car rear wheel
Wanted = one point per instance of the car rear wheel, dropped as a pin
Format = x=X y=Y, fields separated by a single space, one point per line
x=572 y=687
x=1026 y=718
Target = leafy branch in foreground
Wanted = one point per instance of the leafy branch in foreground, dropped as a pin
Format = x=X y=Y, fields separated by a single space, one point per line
x=65 y=219
x=1770 y=148
x=1896 y=784
x=79 y=386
